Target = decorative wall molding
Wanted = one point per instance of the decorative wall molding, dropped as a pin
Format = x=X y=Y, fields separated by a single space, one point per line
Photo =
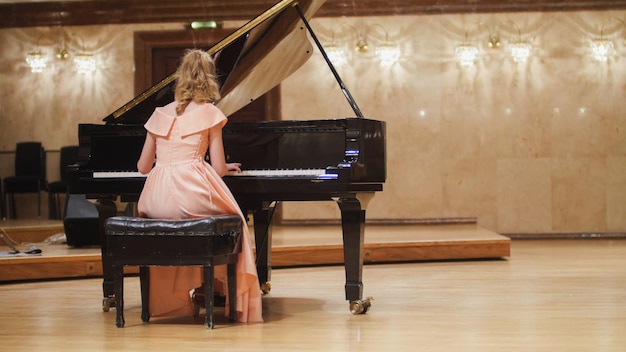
x=83 y=12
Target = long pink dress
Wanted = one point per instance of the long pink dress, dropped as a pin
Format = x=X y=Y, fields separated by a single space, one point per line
x=183 y=185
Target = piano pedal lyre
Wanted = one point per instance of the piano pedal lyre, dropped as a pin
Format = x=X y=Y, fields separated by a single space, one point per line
x=361 y=306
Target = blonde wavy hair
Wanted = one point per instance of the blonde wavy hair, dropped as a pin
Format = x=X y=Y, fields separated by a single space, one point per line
x=196 y=80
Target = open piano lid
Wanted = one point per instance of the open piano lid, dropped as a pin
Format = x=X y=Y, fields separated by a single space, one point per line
x=251 y=61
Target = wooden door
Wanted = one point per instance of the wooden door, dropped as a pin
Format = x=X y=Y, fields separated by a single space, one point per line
x=157 y=55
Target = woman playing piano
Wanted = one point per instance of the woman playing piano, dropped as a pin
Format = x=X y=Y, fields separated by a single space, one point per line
x=181 y=184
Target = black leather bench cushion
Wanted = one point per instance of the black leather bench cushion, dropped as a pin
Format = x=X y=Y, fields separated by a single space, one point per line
x=139 y=241
x=208 y=226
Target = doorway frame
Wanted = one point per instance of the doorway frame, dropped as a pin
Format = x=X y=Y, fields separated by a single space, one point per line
x=145 y=41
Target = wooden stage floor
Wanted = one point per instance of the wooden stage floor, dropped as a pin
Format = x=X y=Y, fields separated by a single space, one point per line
x=292 y=246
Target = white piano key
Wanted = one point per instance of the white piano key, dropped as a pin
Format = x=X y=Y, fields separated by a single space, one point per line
x=117 y=174
x=279 y=172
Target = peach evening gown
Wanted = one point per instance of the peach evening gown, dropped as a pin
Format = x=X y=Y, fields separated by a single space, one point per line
x=183 y=185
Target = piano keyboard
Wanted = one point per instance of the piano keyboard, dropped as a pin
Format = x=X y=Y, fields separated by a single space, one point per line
x=317 y=173
x=117 y=174
x=281 y=172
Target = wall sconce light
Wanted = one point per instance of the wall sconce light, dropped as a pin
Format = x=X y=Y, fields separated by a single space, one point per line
x=84 y=62
x=62 y=53
x=520 y=49
x=386 y=52
x=494 y=40
x=494 y=37
x=36 y=59
x=335 y=52
x=466 y=53
x=602 y=48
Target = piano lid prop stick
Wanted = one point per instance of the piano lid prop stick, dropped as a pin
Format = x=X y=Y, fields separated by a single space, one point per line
x=344 y=89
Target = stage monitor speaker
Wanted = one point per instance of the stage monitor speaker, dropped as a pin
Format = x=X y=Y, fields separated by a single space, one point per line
x=84 y=220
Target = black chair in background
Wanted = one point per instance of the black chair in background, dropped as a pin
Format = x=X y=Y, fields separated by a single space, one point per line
x=30 y=175
x=69 y=155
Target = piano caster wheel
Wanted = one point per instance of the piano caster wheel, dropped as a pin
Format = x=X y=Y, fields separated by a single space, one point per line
x=107 y=303
x=361 y=306
x=266 y=288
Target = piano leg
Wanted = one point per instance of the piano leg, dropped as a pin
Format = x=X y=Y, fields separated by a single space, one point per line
x=108 y=282
x=262 y=242
x=353 y=227
x=84 y=219
x=106 y=209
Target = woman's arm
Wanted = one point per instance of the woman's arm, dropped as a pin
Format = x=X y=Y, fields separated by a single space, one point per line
x=148 y=153
x=216 y=153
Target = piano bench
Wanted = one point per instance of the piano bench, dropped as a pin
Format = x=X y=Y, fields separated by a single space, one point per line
x=206 y=242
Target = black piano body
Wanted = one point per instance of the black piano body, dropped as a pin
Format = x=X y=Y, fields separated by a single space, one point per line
x=341 y=160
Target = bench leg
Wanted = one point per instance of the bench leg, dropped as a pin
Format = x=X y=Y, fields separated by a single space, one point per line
x=119 y=295
x=144 y=284
x=232 y=292
x=208 y=294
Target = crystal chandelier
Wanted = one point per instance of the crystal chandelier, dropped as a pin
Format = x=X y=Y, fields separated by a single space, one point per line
x=520 y=50
x=37 y=61
x=85 y=63
x=387 y=52
x=336 y=54
x=601 y=49
x=466 y=53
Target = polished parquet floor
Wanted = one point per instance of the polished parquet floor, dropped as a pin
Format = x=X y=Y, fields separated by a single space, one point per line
x=550 y=295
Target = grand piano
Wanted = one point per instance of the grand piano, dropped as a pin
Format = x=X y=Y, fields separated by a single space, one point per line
x=340 y=160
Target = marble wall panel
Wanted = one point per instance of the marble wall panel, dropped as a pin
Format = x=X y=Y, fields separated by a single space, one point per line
x=469 y=189
x=579 y=194
x=529 y=147
x=616 y=194
x=524 y=195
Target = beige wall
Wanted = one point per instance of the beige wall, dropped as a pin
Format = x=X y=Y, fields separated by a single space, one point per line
x=535 y=147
